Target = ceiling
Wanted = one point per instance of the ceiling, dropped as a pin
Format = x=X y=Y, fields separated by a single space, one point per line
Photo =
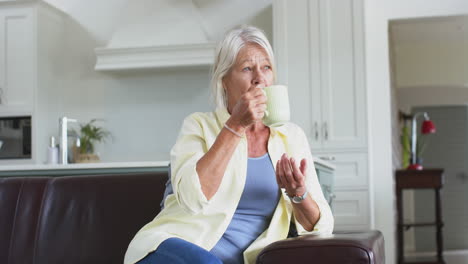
x=430 y=52
x=434 y=29
x=102 y=18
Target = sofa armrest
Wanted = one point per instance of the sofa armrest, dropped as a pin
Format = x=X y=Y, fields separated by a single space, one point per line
x=341 y=247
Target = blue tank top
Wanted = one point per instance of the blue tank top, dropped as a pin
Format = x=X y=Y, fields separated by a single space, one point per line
x=253 y=214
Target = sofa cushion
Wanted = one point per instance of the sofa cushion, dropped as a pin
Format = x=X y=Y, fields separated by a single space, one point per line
x=20 y=204
x=75 y=219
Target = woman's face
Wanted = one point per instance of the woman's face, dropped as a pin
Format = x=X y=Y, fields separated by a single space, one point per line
x=251 y=69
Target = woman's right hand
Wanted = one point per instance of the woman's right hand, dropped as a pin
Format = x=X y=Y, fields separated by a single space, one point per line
x=250 y=107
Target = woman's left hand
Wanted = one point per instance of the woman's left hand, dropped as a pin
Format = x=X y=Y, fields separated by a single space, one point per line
x=290 y=176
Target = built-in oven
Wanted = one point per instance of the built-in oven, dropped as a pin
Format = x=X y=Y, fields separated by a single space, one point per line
x=15 y=137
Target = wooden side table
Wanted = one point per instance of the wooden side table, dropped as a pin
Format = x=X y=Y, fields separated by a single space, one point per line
x=422 y=179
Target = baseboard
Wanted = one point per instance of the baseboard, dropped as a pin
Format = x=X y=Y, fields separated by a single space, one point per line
x=450 y=256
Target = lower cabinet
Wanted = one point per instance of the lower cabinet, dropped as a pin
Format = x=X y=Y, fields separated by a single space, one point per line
x=350 y=171
x=351 y=210
x=350 y=189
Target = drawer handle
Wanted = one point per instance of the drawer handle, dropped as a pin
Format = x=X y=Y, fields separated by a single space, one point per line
x=462 y=177
x=316 y=131
x=328 y=158
x=325 y=127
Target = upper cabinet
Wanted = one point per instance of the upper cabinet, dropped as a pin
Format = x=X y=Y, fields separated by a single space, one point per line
x=30 y=45
x=320 y=55
x=17 y=58
x=31 y=54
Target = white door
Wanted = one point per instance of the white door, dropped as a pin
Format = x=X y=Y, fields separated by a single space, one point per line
x=342 y=74
x=319 y=46
x=297 y=55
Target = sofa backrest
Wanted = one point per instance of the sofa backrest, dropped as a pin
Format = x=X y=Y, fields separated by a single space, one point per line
x=75 y=219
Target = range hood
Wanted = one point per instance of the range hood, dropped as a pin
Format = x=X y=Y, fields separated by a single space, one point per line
x=151 y=57
x=169 y=34
x=173 y=33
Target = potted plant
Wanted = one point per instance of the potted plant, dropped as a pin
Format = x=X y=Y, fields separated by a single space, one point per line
x=89 y=134
x=406 y=146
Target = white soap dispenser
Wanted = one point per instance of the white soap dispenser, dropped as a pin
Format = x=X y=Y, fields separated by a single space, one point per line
x=52 y=152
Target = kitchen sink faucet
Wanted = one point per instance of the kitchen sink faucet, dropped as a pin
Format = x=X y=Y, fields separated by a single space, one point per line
x=63 y=132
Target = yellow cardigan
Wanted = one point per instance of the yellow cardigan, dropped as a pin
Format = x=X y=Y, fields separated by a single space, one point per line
x=187 y=214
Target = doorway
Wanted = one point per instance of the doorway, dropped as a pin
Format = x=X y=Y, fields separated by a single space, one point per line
x=429 y=65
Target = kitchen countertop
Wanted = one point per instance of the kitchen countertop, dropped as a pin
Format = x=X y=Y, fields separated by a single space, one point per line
x=324 y=163
x=83 y=168
x=99 y=168
x=104 y=165
x=98 y=165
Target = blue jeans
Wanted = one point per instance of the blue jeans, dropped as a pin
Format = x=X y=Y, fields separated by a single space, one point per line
x=179 y=251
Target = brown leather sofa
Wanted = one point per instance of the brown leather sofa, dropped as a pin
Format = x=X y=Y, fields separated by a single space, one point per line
x=91 y=219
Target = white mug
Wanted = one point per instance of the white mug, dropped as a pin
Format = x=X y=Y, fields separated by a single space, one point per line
x=277 y=112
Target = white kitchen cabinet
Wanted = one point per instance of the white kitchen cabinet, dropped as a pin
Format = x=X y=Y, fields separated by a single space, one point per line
x=351 y=210
x=320 y=56
x=31 y=46
x=17 y=56
x=351 y=204
x=319 y=49
x=351 y=169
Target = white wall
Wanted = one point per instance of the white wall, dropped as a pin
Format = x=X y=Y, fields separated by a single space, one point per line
x=430 y=69
x=432 y=64
x=431 y=95
x=377 y=15
x=143 y=109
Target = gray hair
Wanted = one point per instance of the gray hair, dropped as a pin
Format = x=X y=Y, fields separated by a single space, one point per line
x=226 y=53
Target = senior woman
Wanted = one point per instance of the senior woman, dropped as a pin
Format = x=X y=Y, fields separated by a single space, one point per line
x=237 y=184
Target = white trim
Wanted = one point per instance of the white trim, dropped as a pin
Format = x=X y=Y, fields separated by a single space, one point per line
x=280 y=36
x=31 y=3
x=449 y=256
x=368 y=135
x=433 y=86
x=113 y=59
x=379 y=136
x=315 y=71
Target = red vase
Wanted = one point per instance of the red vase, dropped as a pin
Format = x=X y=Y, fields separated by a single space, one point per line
x=415 y=166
